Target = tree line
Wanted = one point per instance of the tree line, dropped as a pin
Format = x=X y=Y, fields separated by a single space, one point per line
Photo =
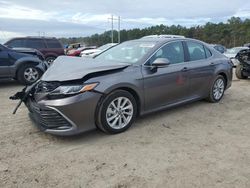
x=235 y=32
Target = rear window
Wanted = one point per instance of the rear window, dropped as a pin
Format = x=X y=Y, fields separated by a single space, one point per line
x=53 y=44
x=35 y=43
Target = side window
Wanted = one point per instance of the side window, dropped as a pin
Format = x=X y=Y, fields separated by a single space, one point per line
x=173 y=52
x=35 y=43
x=16 y=43
x=53 y=44
x=208 y=52
x=196 y=51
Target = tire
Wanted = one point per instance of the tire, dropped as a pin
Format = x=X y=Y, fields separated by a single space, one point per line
x=238 y=72
x=217 y=89
x=113 y=121
x=50 y=60
x=28 y=74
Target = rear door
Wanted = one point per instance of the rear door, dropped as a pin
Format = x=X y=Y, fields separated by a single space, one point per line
x=163 y=86
x=201 y=67
x=4 y=63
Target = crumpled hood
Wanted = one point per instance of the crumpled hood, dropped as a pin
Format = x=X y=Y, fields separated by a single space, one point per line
x=66 y=68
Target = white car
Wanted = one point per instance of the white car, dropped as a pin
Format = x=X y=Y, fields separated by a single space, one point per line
x=231 y=53
x=94 y=52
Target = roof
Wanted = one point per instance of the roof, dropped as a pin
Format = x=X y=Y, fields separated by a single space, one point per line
x=34 y=37
x=163 y=36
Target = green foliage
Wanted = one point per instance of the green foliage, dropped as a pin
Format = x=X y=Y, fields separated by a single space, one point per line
x=235 y=32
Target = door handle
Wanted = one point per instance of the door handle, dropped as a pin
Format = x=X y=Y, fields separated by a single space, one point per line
x=212 y=64
x=185 y=69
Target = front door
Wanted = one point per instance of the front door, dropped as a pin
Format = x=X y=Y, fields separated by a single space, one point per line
x=169 y=84
x=4 y=63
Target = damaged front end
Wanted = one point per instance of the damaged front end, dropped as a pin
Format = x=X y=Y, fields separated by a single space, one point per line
x=244 y=59
x=23 y=95
x=60 y=108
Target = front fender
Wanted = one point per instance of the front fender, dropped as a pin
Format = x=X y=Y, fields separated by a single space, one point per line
x=32 y=60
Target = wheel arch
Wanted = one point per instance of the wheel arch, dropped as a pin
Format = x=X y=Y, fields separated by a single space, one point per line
x=26 y=62
x=50 y=55
x=224 y=76
x=129 y=89
x=135 y=95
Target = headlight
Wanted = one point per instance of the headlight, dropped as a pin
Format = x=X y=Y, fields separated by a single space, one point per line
x=73 y=89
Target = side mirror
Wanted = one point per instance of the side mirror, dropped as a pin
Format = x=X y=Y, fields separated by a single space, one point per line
x=161 y=62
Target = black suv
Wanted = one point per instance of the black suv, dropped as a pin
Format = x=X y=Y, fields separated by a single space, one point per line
x=243 y=68
x=24 y=65
x=51 y=48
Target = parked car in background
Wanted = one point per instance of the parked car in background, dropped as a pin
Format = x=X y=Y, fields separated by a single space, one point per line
x=243 y=68
x=71 y=46
x=51 y=48
x=95 y=52
x=247 y=45
x=78 y=51
x=133 y=78
x=231 y=53
x=23 y=65
x=219 y=48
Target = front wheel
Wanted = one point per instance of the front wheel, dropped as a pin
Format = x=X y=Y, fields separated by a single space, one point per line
x=238 y=72
x=28 y=74
x=217 y=90
x=117 y=112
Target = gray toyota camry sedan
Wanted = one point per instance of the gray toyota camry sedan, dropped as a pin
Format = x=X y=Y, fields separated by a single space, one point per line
x=131 y=79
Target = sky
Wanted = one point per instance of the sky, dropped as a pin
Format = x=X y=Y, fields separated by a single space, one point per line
x=65 y=18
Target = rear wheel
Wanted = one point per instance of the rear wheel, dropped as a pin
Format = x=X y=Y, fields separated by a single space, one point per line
x=117 y=112
x=217 y=90
x=28 y=74
x=238 y=72
x=50 y=60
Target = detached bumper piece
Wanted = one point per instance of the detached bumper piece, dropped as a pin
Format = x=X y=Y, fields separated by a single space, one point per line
x=48 y=118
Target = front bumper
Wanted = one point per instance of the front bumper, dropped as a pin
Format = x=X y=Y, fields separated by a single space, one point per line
x=67 y=116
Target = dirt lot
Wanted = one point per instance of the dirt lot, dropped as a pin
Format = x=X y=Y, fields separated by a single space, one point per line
x=196 y=145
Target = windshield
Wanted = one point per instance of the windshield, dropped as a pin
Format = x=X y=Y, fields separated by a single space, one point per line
x=106 y=46
x=235 y=50
x=129 y=52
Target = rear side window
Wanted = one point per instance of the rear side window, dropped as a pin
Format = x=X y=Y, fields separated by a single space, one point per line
x=173 y=52
x=196 y=51
x=16 y=43
x=53 y=44
x=35 y=43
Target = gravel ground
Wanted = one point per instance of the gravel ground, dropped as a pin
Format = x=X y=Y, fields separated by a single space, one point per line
x=196 y=145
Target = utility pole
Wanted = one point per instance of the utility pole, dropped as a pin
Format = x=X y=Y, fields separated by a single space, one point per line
x=119 y=28
x=112 y=28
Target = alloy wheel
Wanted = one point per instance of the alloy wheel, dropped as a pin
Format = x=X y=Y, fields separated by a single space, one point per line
x=119 y=113
x=218 y=89
x=31 y=74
